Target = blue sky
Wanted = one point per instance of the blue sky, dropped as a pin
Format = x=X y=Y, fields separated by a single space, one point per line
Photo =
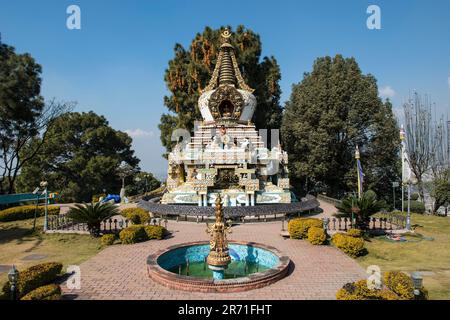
x=115 y=64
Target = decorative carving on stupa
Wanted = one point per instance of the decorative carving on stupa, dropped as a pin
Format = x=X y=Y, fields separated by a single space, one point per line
x=218 y=255
x=227 y=96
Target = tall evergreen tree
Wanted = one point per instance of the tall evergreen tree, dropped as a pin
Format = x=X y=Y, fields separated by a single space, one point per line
x=331 y=111
x=190 y=70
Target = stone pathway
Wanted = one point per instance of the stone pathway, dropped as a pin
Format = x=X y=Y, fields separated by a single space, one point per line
x=119 y=271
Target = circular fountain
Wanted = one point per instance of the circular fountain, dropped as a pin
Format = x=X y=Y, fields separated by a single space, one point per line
x=217 y=266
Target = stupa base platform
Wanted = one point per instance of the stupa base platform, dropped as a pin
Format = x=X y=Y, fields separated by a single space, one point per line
x=306 y=204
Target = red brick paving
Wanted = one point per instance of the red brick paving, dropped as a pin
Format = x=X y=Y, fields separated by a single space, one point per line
x=119 y=271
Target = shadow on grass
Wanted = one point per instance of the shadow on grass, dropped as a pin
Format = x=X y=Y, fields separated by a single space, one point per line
x=19 y=234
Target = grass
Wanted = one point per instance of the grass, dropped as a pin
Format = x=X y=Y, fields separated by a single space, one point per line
x=424 y=255
x=17 y=240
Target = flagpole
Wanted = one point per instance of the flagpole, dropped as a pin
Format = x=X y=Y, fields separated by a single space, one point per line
x=402 y=139
x=357 y=157
x=408 y=182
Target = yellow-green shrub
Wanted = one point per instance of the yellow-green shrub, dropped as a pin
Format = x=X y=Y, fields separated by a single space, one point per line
x=359 y=291
x=316 y=236
x=96 y=197
x=34 y=277
x=354 y=233
x=133 y=234
x=136 y=215
x=107 y=239
x=47 y=292
x=26 y=212
x=154 y=232
x=400 y=283
x=298 y=228
x=352 y=246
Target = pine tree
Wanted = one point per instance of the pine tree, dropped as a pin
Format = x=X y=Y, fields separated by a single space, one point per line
x=331 y=111
x=190 y=70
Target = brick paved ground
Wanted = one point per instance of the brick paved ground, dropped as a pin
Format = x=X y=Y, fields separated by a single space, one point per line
x=119 y=272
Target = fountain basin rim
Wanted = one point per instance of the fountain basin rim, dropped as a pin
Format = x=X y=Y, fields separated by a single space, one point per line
x=188 y=283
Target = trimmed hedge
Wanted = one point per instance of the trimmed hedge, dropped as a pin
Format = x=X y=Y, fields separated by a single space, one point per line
x=48 y=292
x=136 y=215
x=359 y=291
x=26 y=212
x=139 y=233
x=400 y=283
x=107 y=239
x=34 y=277
x=316 y=236
x=133 y=234
x=154 y=232
x=416 y=207
x=298 y=228
x=353 y=246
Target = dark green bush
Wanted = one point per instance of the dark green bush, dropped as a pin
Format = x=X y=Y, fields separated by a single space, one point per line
x=47 y=292
x=133 y=234
x=298 y=228
x=26 y=212
x=416 y=207
x=415 y=196
x=34 y=277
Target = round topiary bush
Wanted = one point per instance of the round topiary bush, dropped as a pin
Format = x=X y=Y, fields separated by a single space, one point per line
x=47 y=292
x=353 y=246
x=155 y=232
x=107 y=239
x=136 y=215
x=354 y=233
x=133 y=234
x=400 y=283
x=316 y=236
x=298 y=228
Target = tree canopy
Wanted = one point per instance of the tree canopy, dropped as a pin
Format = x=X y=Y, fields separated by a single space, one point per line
x=23 y=113
x=190 y=70
x=79 y=158
x=332 y=110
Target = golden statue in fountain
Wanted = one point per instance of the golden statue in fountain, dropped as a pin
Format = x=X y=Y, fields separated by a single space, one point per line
x=219 y=257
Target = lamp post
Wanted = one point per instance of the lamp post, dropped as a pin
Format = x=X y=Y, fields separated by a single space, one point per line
x=12 y=277
x=325 y=224
x=408 y=214
x=417 y=282
x=43 y=185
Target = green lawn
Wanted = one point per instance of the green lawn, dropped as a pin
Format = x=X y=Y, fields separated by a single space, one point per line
x=18 y=241
x=424 y=255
